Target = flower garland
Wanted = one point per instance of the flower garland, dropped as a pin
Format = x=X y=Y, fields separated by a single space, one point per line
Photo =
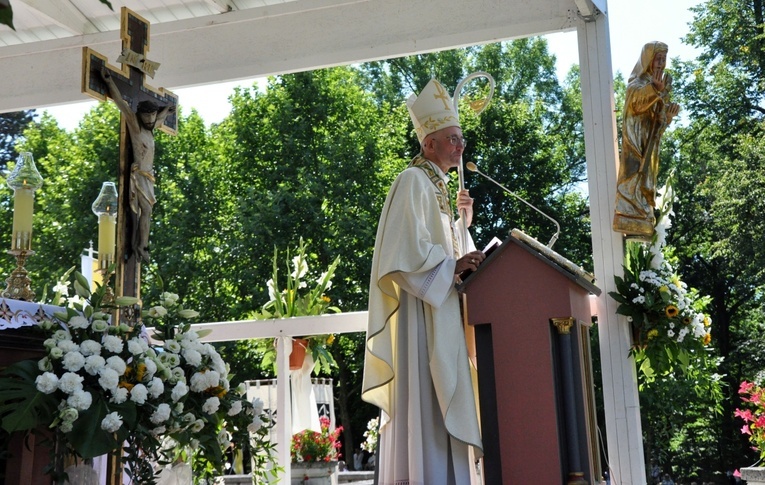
x=667 y=318
x=104 y=388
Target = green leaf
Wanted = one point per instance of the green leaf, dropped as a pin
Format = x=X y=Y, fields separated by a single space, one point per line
x=82 y=291
x=126 y=300
x=6 y=16
x=22 y=406
x=87 y=437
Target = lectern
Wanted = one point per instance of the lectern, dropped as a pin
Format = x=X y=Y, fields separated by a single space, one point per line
x=530 y=310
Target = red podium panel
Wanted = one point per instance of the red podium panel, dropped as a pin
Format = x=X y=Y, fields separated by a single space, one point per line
x=529 y=372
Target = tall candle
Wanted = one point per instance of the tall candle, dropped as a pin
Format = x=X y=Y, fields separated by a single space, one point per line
x=107 y=230
x=23 y=207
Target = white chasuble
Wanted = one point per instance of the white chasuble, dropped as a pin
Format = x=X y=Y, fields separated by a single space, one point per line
x=416 y=368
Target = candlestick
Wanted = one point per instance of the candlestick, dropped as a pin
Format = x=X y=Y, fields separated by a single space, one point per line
x=105 y=207
x=24 y=180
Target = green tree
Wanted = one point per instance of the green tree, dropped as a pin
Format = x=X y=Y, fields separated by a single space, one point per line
x=717 y=155
x=11 y=126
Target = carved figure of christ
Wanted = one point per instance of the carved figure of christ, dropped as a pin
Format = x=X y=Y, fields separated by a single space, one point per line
x=143 y=109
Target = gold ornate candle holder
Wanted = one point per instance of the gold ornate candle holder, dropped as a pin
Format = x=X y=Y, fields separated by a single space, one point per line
x=19 y=283
x=24 y=180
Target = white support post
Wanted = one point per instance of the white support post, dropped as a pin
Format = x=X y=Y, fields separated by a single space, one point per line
x=283 y=397
x=620 y=395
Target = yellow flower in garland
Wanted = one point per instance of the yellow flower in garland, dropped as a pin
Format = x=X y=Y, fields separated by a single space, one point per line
x=671 y=311
x=707 y=338
x=652 y=334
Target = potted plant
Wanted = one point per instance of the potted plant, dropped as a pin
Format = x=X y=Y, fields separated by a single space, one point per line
x=298 y=299
x=315 y=455
x=753 y=415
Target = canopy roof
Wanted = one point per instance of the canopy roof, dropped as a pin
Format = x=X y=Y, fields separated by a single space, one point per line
x=201 y=42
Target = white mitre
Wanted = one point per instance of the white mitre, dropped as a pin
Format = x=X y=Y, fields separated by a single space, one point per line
x=432 y=110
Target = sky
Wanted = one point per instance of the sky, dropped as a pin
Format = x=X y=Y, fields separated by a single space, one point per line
x=631 y=24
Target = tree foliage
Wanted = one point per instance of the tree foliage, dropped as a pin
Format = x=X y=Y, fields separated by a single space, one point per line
x=717 y=155
x=11 y=126
x=312 y=155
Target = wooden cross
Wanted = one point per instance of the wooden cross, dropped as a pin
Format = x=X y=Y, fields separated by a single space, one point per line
x=130 y=81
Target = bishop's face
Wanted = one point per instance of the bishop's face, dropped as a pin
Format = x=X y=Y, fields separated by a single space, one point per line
x=444 y=147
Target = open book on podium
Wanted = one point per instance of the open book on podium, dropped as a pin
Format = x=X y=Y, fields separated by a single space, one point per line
x=530 y=311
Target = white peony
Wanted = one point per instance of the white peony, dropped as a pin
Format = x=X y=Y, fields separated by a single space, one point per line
x=211 y=405
x=70 y=383
x=80 y=400
x=116 y=363
x=119 y=395
x=111 y=422
x=112 y=343
x=78 y=322
x=90 y=347
x=47 y=382
x=109 y=379
x=73 y=361
x=180 y=390
x=139 y=393
x=161 y=415
x=235 y=409
x=94 y=364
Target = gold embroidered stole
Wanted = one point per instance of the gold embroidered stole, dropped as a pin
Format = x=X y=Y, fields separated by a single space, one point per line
x=442 y=195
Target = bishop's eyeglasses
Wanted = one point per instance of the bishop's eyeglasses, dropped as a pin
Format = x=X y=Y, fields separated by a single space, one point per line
x=457 y=140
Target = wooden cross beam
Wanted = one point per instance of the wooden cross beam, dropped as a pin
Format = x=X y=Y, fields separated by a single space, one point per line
x=128 y=89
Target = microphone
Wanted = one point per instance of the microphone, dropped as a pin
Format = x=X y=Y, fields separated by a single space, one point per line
x=473 y=168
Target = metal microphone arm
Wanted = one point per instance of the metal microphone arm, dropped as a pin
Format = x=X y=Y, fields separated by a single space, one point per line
x=473 y=168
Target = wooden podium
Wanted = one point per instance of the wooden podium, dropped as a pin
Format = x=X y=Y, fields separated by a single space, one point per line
x=530 y=309
x=26 y=455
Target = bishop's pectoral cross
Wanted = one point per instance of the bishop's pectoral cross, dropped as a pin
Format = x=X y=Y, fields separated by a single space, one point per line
x=141 y=106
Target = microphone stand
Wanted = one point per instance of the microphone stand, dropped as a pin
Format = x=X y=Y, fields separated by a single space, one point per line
x=478 y=108
x=473 y=168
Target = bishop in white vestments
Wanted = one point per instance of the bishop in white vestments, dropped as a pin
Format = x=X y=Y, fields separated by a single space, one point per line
x=416 y=368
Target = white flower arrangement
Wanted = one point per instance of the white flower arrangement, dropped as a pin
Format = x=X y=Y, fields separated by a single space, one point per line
x=667 y=318
x=102 y=386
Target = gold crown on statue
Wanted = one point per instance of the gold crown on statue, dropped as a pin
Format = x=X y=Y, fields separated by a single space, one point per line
x=432 y=110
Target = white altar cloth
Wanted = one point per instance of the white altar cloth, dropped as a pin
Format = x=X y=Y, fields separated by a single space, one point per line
x=18 y=313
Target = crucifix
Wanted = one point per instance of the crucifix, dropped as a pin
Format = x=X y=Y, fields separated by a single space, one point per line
x=143 y=108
